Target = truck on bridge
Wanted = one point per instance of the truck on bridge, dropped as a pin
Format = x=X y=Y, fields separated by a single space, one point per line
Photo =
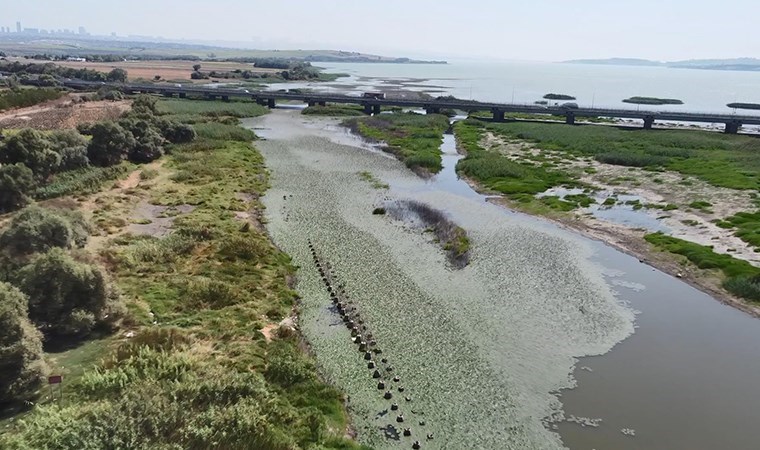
x=374 y=95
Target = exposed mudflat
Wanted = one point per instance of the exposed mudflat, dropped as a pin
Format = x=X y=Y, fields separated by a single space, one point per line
x=480 y=351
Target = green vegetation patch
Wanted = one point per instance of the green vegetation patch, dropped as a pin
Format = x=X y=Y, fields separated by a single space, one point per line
x=740 y=277
x=20 y=98
x=373 y=180
x=739 y=105
x=499 y=173
x=197 y=372
x=721 y=160
x=211 y=108
x=653 y=101
x=414 y=138
x=334 y=110
x=553 y=96
x=747 y=226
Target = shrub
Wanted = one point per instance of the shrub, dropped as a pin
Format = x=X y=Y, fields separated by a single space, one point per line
x=65 y=297
x=177 y=133
x=148 y=142
x=110 y=144
x=16 y=183
x=38 y=229
x=31 y=148
x=21 y=363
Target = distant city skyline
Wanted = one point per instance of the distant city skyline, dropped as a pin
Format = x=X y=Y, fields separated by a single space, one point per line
x=547 y=30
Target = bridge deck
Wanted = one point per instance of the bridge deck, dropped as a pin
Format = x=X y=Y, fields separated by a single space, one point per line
x=463 y=105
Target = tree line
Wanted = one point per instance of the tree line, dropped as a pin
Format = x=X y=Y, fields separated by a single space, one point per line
x=30 y=159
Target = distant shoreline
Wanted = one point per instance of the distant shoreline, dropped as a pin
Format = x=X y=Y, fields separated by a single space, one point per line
x=737 y=64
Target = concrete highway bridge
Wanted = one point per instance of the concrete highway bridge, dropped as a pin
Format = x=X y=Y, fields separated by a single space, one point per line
x=732 y=122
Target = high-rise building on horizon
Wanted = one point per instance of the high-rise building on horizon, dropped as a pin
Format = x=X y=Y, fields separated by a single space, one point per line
x=18 y=27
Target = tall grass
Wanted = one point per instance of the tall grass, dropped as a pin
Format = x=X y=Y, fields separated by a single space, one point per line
x=26 y=97
x=87 y=180
x=224 y=132
x=211 y=108
x=414 y=138
x=721 y=160
x=499 y=173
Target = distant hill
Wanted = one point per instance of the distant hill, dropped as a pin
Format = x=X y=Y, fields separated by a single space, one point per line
x=145 y=47
x=616 y=62
x=745 y=64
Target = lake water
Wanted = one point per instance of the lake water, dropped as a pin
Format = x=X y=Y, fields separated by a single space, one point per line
x=526 y=82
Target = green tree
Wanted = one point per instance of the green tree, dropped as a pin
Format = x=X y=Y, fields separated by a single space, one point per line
x=16 y=183
x=175 y=132
x=196 y=67
x=148 y=142
x=31 y=148
x=110 y=144
x=72 y=148
x=66 y=297
x=22 y=367
x=144 y=104
x=36 y=229
x=117 y=75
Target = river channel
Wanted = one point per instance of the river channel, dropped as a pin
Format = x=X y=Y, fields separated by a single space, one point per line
x=487 y=354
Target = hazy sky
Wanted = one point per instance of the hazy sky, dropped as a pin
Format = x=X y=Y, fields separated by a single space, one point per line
x=547 y=30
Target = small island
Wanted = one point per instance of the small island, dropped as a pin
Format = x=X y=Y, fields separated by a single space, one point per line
x=552 y=96
x=653 y=101
x=744 y=105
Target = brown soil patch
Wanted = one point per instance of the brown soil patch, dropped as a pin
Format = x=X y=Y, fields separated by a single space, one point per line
x=168 y=70
x=268 y=331
x=64 y=113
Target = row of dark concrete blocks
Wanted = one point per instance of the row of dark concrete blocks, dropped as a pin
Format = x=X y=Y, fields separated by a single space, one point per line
x=364 y=339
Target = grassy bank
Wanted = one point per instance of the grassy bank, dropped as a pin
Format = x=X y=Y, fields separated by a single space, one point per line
x=739 y=277
x=334 y=110
x=414 y=138
x=721 y=160
x=518 y=180
x=197 y=371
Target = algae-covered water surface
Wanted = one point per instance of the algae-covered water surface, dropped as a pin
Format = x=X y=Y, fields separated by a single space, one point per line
x=475 y=357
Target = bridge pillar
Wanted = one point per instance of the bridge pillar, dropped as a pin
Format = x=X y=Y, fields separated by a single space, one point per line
x=367 y=109
x=271 y=103
x=322 y=103
x=432 y=110
x=570 y=118
x=733 y=127
x=376 y=109
x=311 y=103
x=182 y=95
x=226 y=98
x=648 y=122
x=498 y=115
